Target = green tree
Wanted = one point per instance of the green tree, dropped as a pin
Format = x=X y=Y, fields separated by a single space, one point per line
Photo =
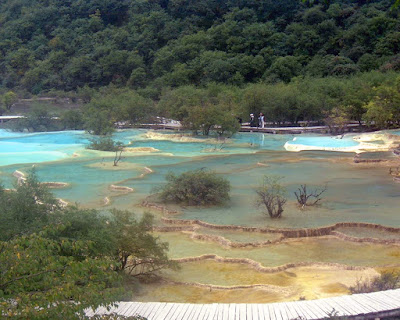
x=198 y=187
x=272 y=195
x=56 y=260
x=39 y=119
x=139 y=253
x=72 y=119
x=9 y=98
x=384 y=109
x=27 y=209
x=42 y=278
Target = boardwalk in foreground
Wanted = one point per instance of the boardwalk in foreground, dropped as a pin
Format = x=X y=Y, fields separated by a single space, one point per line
x=357 y=306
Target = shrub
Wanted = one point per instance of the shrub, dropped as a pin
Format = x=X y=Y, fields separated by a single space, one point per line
x=386 y=281
x=105 y=144
x=198 y=187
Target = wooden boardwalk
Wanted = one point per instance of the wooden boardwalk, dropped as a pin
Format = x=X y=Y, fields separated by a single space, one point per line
x=358 y=306
x=245 y=128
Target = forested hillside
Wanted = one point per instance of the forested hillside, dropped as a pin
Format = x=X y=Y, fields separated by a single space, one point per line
x=66 y=44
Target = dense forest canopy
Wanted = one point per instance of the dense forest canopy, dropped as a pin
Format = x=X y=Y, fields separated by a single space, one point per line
x=66 y=44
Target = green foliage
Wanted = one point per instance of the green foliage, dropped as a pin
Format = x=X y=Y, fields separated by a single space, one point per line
x=337 y=119
x=42 y=278
x=139 y=253
x=27 y=209
x=271 y=195
x=212 y=109
x=56 y=260
x=105 y=144
x=198 y=187
x=9 y=98
x=383 y=110
x=72 y=120
x=75 y=44
x=39 y=119
x=112 y=105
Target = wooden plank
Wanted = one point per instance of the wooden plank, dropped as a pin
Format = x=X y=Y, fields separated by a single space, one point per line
x=383 y=305
x=190 y=312
x=304 y=309
x=249 y=311
x=219 y=311
x=297 y=310
x=373 y=303
x=381 y=297
x=122 y=305
x=261 y=313
x=151 y=310
x=164 y=311
x=289 y=311
x=232 y=311
x=197 y=313
x=100 y=311
x=241 y=311
x=161 y=306
x=363 y=304
x=321 y=308
x=129 y=306
x=392 y=296
x=340 y=307
x=312 y=307
x=358 y=304
x=351 y=306
x=146 y=307
x=141 y=308
x=311 y=310
x=211 y=312
x=201 y=312
x=176 y=311
x=280 y=311
x=270 y=311
x=225 y=315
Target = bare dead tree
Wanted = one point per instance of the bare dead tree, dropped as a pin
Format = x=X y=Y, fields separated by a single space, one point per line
x=118 y=157
x=118 y=153
x=306 y=198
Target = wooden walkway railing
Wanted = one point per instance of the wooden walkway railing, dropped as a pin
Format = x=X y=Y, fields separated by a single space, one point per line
x=374 y=305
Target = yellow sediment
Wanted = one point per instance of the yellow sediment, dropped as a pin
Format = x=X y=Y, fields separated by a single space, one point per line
x=261 y=164
x=109 y=165
x=106 y=201
x=121 y=188
x=227 y=282
x=260 y=268
x=140 y=149
x=56 y=185
x=152 y=135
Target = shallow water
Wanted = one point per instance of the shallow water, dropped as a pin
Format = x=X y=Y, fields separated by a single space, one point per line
x=355 y=193
x=240 y=236
x=361 y=232
x=323 y=249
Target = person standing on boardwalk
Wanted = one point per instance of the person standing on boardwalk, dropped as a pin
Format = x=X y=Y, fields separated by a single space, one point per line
x=261 y=122
x=253 y=120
